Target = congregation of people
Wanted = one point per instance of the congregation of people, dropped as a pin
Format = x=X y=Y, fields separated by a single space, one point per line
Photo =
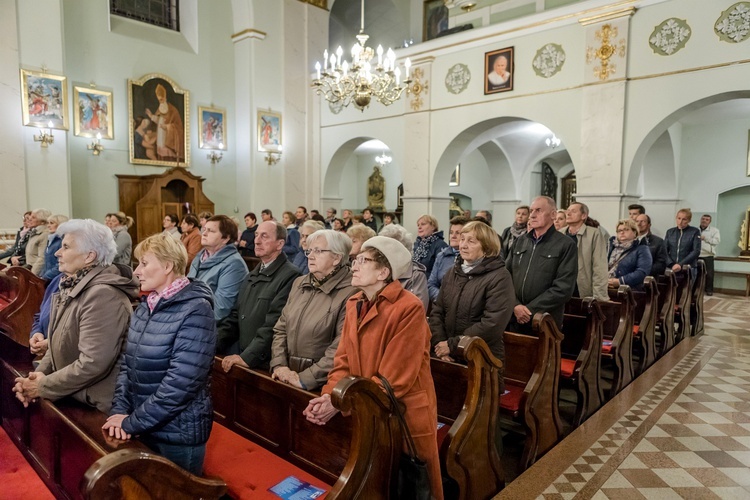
x=329 y=297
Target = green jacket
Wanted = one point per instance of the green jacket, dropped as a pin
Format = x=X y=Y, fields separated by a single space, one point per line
x=261 y=299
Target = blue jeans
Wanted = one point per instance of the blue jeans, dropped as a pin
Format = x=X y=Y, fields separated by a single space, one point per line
x=188 y=456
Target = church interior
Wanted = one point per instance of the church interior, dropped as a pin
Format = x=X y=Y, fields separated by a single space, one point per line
x=605 y=102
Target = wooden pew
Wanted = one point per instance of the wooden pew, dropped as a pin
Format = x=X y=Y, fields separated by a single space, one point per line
x=21 y=294
x=696 y=303
x=682 y=306
x=532 y=378
x=646 y=314
x=618 y=330
x=62 y=440
x=467 y=399
x=667 y=284
x=581 y=355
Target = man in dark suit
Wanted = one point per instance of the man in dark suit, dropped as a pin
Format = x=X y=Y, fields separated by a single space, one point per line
x=654 y=243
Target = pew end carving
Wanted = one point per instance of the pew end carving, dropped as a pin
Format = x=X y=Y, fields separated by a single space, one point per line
x=696 y=303
x=618 y=329
x=667 y=285
x=682 y=305
x=132 y=474
x=22 y=293
x=646 y=315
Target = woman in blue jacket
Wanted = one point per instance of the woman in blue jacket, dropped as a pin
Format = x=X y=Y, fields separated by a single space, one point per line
x=629 y=262
x=162 y=393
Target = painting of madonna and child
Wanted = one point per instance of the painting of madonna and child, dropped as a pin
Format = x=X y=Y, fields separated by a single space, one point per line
x=159 y=121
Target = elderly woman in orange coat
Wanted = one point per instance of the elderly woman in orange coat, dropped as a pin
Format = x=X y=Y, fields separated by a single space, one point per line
x=386 y=333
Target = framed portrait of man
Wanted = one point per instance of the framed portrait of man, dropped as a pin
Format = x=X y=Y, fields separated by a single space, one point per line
x=44 y=100
x=159 y=121
x=498 y=71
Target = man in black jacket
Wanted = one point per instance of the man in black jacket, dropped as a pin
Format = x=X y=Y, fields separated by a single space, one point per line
x=683 y=243
x=245 y=335
x=654 y=244
x=544 y=267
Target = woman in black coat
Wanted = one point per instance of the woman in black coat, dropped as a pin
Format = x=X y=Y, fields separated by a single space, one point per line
x=162 y=393
x=476 y=296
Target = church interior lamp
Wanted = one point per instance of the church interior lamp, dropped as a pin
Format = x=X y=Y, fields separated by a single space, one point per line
x=45 y=136
x=96 y=146
x=273 y=155
x=216 y=156
x=370 y=74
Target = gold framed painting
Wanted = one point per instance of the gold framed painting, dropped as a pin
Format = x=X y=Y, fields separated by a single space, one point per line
x=93 y=112
x=159 y=121
x=44 y=100
x=498 y=71
x=212 y=126
x=269 y=131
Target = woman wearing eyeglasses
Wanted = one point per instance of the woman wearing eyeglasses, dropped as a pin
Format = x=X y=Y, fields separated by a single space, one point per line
x=385 y=334
x=307 y=334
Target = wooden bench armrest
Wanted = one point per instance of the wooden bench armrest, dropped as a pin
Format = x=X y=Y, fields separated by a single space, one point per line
x=17 y=317
x=132 y=474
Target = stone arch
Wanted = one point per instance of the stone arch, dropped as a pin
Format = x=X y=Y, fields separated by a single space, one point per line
x=332 y=179
x=665 y=126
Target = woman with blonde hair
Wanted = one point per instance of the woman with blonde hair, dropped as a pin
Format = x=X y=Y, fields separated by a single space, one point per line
x=429 y=242
x=359 y=233
x=629 y=262
x=120 y=223
x=162 y=392
x=476 y=297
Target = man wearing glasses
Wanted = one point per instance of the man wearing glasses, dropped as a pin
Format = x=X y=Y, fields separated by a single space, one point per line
x=245 y=336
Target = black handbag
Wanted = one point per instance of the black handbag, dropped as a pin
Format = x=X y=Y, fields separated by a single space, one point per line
x=413 y=478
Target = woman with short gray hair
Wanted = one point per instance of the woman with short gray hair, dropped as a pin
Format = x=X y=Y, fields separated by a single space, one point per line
x=307 y=334
x=89 y=318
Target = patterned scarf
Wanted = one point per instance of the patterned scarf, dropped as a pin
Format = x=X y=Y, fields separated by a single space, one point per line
x=317 y=283
x=67 y=283
x=154 y=297
x=618 y=252
x=422 y=248
x=22 y=242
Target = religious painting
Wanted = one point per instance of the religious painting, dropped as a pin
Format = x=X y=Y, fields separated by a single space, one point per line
x=455 y=177
x=159 y=119
x=498 y=71
x=435 y=19
x=92 y=115
x=44 y=100
x=269 y=131
x=212 y=126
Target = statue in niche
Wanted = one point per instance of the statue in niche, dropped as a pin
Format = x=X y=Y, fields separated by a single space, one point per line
x=744 y=243
x=376 y=190
x=455 y=208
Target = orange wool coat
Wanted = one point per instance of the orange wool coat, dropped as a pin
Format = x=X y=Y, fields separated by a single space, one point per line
x=393 y=340
x=192 y=243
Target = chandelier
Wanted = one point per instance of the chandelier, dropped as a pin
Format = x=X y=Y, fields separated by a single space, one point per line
x=553 y=142
x=383 y=160
x=363 y=78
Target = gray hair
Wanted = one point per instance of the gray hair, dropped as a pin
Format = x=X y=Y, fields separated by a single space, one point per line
x=315 y=225
x=91 y=236
x=400 y=234
x=338 y=242
x=58 y=219
x=42 y=215
x=552 y=204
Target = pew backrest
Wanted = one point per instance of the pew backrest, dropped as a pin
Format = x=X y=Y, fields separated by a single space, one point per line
x=24 y=291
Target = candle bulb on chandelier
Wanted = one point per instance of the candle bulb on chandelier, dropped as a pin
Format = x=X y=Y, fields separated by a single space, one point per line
x=333 y=62
x=325 y=61
x=397 y=72
x=380 y=55
x=317 y=68
x=407 y=65
x=339 y=53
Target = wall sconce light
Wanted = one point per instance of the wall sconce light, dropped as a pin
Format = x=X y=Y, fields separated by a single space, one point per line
x=553 y=142
x=96 y=147
x=214 y=156
x=45 y=137
x=273 y=157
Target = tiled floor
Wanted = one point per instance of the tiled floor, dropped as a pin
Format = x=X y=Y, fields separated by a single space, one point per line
x=681 y=430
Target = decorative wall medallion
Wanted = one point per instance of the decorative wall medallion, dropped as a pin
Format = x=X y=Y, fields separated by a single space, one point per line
x=458 y=78
x=417 y=88
x=734 y=24
x=606 y=51
x=336 y=107
x=549 y=60
x=670 y=36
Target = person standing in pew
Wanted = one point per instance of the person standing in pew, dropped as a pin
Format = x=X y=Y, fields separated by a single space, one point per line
x=386 y=334
x=476 y=297
x=629 y=263
x=307 y=334
x=88 y=320
x=544 y=266
x=683 y=243
x=162 y=393
x=710 y=237
x=654 y=243
x=245 y=335
x=592 y=253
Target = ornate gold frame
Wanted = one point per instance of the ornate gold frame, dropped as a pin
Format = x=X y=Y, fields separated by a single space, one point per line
x=144 y=88
x=270 y=118
x=41 y=82
x=203 y=111
x=107 y=132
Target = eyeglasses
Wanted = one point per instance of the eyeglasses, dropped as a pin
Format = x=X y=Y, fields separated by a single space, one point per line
x=315 y=251
x=362 y=260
